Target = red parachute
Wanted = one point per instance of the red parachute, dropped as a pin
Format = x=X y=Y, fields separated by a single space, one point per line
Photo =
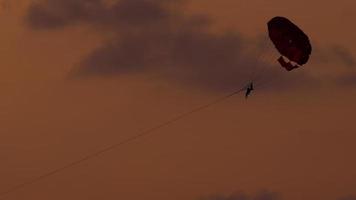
x=290 y=41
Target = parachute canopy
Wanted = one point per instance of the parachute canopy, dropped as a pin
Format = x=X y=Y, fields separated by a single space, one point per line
x=290 y=41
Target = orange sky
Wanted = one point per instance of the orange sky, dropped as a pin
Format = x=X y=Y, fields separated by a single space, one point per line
x=299 y=144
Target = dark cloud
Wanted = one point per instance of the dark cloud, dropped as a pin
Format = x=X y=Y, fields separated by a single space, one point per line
x=347 y=80
x=265 y=195
x=59 y=13
x=342 y=62
x=156 y=35
x=348 y=198
x=335 y=54
x=124 y=14
x=344 y=55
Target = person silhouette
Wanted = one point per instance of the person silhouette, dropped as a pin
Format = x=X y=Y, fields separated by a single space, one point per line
x=249 y=89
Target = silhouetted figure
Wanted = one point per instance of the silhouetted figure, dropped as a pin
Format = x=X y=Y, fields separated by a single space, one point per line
x=249 y=89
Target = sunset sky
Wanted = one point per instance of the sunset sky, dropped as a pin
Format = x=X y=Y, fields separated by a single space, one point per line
x=77 y=76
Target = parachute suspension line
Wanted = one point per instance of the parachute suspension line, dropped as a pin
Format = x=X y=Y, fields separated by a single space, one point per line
x=267 y=62
x=98 y=153
x=266 y=82
x=263 y=81
x=263 y=51
x=260 y=52
x=254 y=68
x=263 y=63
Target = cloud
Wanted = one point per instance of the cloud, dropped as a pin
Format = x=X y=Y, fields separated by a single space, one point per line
x=342 y=62
x=348 y=198
x=156 y=35
x=347 y=80
x=335 y=54
x=264 y=195
x=59 y=13
x=51 y=14
x=344 y=55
